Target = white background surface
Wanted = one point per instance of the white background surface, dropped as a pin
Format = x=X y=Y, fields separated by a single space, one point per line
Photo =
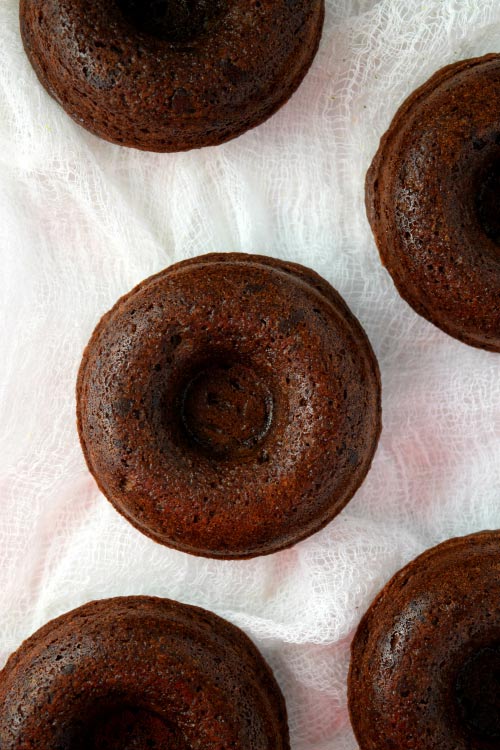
x=82 y=221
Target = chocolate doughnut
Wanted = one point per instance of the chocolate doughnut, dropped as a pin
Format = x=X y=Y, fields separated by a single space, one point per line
x=425 y=663
x=432 y=197
x=139 y=673
x=230 y=405
x=171 y=75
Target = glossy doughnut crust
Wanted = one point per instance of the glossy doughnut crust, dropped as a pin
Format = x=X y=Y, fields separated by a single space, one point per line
x=171 y=75
x=230 y=405
x=139 y=673
x=425 y=661
x=432 y=197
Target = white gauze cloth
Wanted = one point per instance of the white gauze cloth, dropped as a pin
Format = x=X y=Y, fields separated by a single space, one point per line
x=82 y=221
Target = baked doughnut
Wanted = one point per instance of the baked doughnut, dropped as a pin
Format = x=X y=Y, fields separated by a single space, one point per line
x=171 y=75
x=139 y=673
x=425 y=660
x=433 y=196
x=230 y=405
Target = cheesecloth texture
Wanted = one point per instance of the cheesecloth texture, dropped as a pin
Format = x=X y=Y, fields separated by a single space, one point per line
x=82 y=221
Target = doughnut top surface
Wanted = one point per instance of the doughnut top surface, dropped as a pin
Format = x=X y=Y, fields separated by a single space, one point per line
x=432 y=197
x=171 y=75
x=425 y=662
x=140 y=673
x=230 y=405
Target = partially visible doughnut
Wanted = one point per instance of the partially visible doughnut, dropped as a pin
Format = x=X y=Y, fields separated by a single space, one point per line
x=171 y=75
x=425 y=661
x=433 y=197
x=140 y=673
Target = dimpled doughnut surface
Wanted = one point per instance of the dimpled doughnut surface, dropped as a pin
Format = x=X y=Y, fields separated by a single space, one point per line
x=230 y=405
x=433 y=197
x=425 y=661
x=139 y=673
x=171 y=75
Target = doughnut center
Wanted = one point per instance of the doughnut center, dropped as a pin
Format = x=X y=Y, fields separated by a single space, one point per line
x=488 y=202
x=227 y=409
x=172 y=20
x=478 y=694
x=135 y=729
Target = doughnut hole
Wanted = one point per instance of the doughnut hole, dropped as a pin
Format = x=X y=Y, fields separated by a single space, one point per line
x=134 y=729
x=477 y=693
x=227 y=408
x=488 y=201
x=172 y=20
